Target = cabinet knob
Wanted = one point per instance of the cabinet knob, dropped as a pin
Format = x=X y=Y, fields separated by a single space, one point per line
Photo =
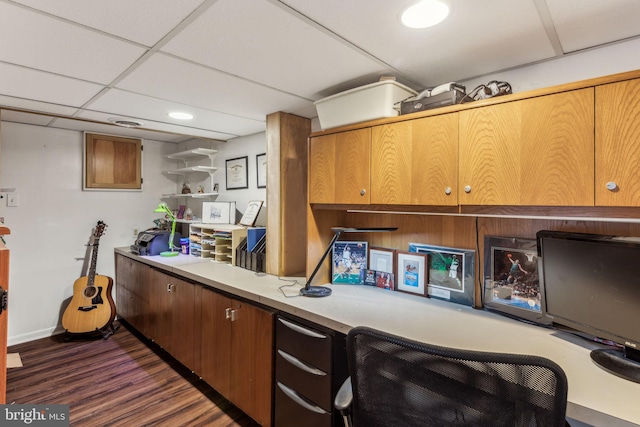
x=363 y=192
x=612 y=186
x=447 y=191
x=467 y=189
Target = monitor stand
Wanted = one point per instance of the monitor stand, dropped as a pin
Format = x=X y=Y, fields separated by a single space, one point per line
x=618 y=362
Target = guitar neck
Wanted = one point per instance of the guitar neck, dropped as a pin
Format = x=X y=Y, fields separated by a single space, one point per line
x=92 y=267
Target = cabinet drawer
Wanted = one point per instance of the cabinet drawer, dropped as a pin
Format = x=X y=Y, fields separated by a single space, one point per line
x=306 y=380
x=295 y=411
x=308 y=345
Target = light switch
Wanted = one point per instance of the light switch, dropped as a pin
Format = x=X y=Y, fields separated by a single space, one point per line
x=12 y=199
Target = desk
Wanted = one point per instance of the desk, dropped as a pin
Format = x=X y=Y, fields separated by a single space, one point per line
x=595 y=396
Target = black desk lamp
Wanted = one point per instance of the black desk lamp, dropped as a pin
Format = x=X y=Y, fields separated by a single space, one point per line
x=323 y=291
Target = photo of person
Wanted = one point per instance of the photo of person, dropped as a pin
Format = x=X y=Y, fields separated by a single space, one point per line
x=446 y=270
x=384 y=280
x=349 y=262
x=515 y=278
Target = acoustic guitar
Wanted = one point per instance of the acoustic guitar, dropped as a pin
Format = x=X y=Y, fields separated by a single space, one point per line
x=91 y=308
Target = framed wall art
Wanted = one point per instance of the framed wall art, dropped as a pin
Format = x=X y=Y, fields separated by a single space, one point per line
x=251 y=213
x=237 y=173
x=412 y=273
x=261 y=168
x=382 y=259
x=512 y=282
x=451 y=272
x=349 y=263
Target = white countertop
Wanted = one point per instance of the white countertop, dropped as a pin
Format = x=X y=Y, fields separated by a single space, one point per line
x=428 y=320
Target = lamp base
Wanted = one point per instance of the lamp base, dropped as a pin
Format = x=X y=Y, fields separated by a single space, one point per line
x=169 y=253
x=315 y=291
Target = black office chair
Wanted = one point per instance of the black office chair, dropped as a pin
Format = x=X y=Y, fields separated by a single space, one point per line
x=398 y=382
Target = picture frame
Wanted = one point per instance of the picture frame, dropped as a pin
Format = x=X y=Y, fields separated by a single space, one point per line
x=512 y=278
x=237 y=173
x=382 y=259
x=412 y=273
x=349 y=262
x=251 y=213
x=218 y=212
x=447 y=280
x=261 y=170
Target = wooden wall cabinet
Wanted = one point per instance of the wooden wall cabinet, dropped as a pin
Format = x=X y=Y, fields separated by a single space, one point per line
x=415 y=162
x=617 y=181
x=536 y=151
x=112 y=162
x=339 y=168
x=236 y=346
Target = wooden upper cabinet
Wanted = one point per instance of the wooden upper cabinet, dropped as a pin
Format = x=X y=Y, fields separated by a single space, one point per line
x=112 y=162
x=415 y=162
x=617 y=180
x=536 y=151
x=339 y=170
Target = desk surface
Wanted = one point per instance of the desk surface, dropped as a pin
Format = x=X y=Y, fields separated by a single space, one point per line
x=428 y=320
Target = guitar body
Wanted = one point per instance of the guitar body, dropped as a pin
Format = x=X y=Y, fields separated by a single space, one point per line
x=91 y=307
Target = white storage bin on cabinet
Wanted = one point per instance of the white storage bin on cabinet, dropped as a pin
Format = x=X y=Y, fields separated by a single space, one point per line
x=373 y=101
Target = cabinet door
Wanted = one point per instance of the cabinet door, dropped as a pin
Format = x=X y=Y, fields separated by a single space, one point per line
x=215 y=341
x=537 y=151
x=339 y=168
x=415 y=162
x=133 y=292
x=618 y=144
x=173 y=306
x=252 y=361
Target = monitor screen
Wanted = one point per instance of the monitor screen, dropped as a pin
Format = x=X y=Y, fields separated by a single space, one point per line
x=592 y=284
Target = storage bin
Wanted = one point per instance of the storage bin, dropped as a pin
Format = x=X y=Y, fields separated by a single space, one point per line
x=373 y=101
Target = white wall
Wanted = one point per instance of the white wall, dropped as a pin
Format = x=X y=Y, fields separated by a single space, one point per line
x=55 y=218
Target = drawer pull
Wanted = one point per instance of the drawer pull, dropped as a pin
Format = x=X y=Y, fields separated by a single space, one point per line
x=300 y=401
x=301 y=330
x=300 y=364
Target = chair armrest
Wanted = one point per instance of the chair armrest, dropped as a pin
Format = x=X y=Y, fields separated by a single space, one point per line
x=344 y=396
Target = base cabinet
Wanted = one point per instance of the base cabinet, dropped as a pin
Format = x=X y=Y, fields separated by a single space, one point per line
x=310 y=367
x=132 y=294
x=236 y=352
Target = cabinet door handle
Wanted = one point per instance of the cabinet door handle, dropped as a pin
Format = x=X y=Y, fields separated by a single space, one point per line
x=227 y=313
x=170 y=287
x=467 y=189
x=301 y=330
x=363 y=192
x=299 y=400
x=612 y=186
x=447 y=191
x=300 y=364
x=233 y=315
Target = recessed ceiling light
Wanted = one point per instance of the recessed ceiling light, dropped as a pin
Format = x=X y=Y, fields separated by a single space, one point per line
x=426 y=13
x=180 y=116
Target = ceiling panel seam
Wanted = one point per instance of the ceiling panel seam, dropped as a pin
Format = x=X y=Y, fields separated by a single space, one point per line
x=549 y=28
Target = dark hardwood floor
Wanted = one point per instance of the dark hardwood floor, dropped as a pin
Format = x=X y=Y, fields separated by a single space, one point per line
x=116 y=382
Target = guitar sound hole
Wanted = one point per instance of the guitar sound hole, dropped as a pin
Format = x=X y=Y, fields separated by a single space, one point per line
x=90 y=291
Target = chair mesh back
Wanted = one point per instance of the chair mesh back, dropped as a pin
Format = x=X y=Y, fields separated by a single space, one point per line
x=397 y=382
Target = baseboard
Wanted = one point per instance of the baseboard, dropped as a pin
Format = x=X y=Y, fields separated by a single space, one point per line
x=34 y=335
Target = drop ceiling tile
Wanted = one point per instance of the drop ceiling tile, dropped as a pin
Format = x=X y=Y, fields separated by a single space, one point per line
x=26 y=104
x=261 y=42
x=163 y=76
x=142 y=21
x=162 y=127
x=41 y=42
x=106 y=129
x=146 y=108
x=476 y=38
x=25 y=118
x=581 y=24
x=36 y=85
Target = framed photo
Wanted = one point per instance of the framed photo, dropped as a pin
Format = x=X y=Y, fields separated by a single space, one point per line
x=237 y=173
x=251 y=213
x=219 y=212
x=451 y=272
x=382 y=259
x=261 y=168
x=512 y=283
x=412 y=273
x=349 y=262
